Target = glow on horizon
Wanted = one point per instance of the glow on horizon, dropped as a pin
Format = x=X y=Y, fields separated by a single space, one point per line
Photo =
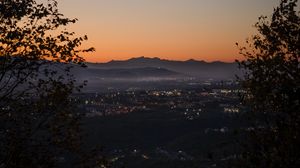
x=168 y=29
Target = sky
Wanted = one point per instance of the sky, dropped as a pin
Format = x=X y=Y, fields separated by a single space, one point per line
x=168 y=29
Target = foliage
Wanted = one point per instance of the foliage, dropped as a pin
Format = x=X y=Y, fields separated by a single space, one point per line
x=272 y=82
x=39 y=125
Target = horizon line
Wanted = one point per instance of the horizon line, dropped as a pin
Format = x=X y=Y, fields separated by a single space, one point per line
x=163 y=59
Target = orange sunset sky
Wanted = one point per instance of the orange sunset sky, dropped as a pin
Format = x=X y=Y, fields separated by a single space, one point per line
x=168 y=29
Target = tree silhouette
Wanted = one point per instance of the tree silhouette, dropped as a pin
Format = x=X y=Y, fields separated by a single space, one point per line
x=39 y=124
x=272 y=84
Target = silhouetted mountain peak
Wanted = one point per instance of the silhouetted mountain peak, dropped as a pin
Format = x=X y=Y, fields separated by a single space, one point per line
x=191 y=60
x=191 y=67
x=143 y=59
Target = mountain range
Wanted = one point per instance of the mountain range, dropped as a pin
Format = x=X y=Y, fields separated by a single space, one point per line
x=156 y=67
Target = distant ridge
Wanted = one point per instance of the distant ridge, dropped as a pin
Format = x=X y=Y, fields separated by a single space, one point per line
x=143 y=58
x=200 y=69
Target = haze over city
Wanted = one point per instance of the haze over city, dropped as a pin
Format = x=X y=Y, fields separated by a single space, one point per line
x=168 y=29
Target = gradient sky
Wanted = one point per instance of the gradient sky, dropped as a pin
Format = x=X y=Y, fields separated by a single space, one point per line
x=169 y=29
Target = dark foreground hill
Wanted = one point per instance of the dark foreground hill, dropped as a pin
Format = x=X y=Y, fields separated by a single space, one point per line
x=91 y=73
